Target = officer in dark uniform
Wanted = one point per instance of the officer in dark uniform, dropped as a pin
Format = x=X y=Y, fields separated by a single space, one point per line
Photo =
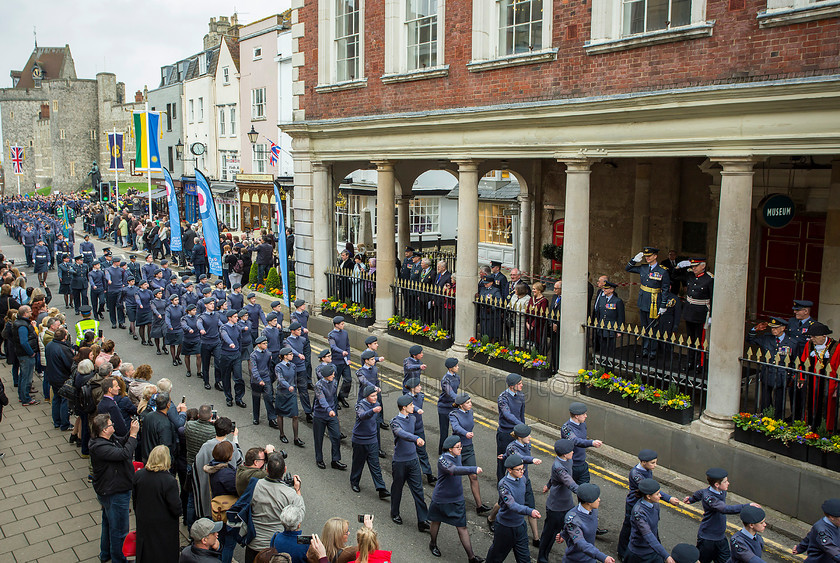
x=88 y=251
x=781 y=347
x=699 y=286
x=610 y=315
x=490 y=321
x=669 y=320
x=653 y=279
x=499 y=279
x=65 y=269
x=62 y=248
x=79 y=283
x=405 y=268
x=797 y=327
x=822 y=544
x=414 y=276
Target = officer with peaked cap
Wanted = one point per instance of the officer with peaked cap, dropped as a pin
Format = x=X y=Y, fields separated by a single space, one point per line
x=782 y=349
x=797 y=326
x=822 y=544
x=653 y=278
x=610 y=312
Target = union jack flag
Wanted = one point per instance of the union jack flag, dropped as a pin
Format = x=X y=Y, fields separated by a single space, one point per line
x=274 y=155
x=17 y=159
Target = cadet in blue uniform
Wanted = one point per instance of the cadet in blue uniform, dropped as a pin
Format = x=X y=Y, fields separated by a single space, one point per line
x=41 y=258
x=273 y=335
x=96 y=278
x=235 y=298
x=404 y=464
x=127 y=300
x=372 y=344
x=463 y=424
x=413 y=365
x=174 y=335
x=255 y=314
x=261 y=389
x=301 y=315
x=641 y=471
x=412 y=388
x=449 y=384
x=191 y=346
x=325 y=418
x=575 y=430
x=610 y=313
x=822 y=544
x=340 y=348
x=580 y=526
x=560 y=488
x=781 y=347
x=711 y=535
x=115 y=277
x=645 y=546
x=87 y=251
x=365 y=441
x=158 y=330
x=208 y=329
x=296 y=342
x=685 y=553
x=368 y=375
x=653 y=279
x=448 y=503
x=230 y=359
x=285 y=395
x=521 y=446
x=65 y=269
x=746 y=545
x=511 y=403
x=511 y=532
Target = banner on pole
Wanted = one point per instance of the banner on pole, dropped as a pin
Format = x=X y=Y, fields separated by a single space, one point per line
x=281 y=246
x=209 y=223
x=17 y=159
x=147 y=125
x=115 y=148
x=174 y=217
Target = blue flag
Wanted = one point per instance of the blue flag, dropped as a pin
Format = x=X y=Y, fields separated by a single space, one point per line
x=281 y=246
x=209 y=223
x=174 y=218
x=115 y=146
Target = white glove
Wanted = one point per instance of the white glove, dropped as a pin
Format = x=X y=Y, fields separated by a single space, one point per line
x=709 y=321
x=684 y=264
x=662 y=310
x=638 y=257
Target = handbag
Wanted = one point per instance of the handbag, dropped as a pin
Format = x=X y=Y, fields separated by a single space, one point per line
x=68 y=390
x=219 y=506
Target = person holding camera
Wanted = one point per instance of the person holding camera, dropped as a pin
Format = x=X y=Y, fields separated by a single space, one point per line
x=225 y=430
x=289 y=540
x=271 y=495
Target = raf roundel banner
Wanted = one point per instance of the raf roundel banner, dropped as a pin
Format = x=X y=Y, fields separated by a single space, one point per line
x=174 y=217
x=209 y=223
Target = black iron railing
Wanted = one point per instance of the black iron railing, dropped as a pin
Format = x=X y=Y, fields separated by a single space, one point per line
x=428 y=304
x=350 y=286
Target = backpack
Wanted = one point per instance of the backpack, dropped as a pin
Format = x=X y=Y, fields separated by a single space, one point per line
x=239 y=267
x=85 y=403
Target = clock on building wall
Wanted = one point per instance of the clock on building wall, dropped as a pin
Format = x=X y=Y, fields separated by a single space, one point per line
x=37 y=73
x=197 y=149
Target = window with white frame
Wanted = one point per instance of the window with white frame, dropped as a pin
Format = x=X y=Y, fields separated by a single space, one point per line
x=421 y=22
x=221 y=122
x=424 y=214
x=233 y=121
x=348 y=220
x=202 y=64
x=347 y=42
x=786 y=12
x=257 y=53
x=192 y=110
x=258 y=103
x=201 y=110
x=520 y=26
x=493 y=226
x=229 y=165
x=226 y=74
x=260 y=158
x=622 y=24
x=644 y=16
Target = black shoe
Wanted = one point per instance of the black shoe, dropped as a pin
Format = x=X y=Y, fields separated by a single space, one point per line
x=321 y=465
x=492 y=525
x=179 y=360
x=135 y=337
x=298 y=442
x=431 y=479
x=208 y=386
x=142 y=343
x=382 y=455
x=344 y=403
x=273 y=424
x=384 y=426
x=356 y=488
x=337 y=407
x=241 y=404
x=342 y=436
x=384 y=495
x=256 y=422
x=113 y=327
x=483 y=509
x=308 y=418
x=158 y=353
x=396 y=519
x=423 y=526
x=310 y=386
x=338 y=465
x=601 y=531
x=219 y=387
x=434 y=549
x=174 y=363
x=122 y=327
x=229 y=403
x=284 y=439
x=476 y=559
x=535 y=542
x=189 y=374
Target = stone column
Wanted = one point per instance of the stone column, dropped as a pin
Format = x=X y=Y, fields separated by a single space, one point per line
x=726 y=340
x=403 y=225
x=466 y=277
x=385 y=244
x=526 y=241
x=574 y=305
x=641 y=218
x=829 y=306
x=323 y=247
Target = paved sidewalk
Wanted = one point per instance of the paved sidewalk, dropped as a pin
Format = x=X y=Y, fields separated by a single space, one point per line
x=48 y=510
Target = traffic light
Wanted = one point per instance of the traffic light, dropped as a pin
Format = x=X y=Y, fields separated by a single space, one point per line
x=104 y=192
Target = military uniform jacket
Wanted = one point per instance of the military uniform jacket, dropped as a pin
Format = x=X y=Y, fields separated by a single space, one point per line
x=449 y=486
x=97 y=280
x=511 y=410
x=367 y=375
x=579 y=529
x=325 y=396
x=260 y=362
x=698 y=297
x=715 y=509
x=500 y=282
x=134 y=270
x=783 y=349
x=405 y=441
x=637 y=475
x=822 y=544
x=512 y=508
x=462 y=422
x=405 y=270
x=522 y=450
x=797 y=330
x=448 y=389
x=655 y=279
x=80 y=276
x=416 y=270
x=611 y=312
x=746 y=549
x=561 y=486
x=65 y=273
x=188 y=323
x=128 y=294
x=644 y=530
x=576 y=432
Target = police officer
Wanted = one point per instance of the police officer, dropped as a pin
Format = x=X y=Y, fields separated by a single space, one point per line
x=208 y=329
x=405 y=466
x=644 y=546
x=448 y=505
x=86 y=324
x=746 y=545
x=510 y=530
x=79 y=283
x=698 y=307
x=580 y=527
x=797 y=327
x=115 y=277
x=653 y=279
x=365 y=441
x=822 y=544
x=560 y=488
x=781 y=347
x=610 y=314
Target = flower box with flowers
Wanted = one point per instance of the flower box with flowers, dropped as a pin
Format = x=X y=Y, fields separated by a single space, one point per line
x=353 y=313
x=424 y=334
x=788 y=439
x=529 y=364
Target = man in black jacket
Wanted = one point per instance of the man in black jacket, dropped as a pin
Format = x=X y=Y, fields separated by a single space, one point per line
x=113 y=472
x=158 y=430
x=58 y=356
x=265 y=258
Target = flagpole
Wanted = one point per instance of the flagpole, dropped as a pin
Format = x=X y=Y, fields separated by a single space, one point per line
x=117 y=173
x=18 y=181
x=148 y=157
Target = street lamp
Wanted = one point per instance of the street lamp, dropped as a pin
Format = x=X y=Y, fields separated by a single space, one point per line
x=253 y=135
x=179 y=150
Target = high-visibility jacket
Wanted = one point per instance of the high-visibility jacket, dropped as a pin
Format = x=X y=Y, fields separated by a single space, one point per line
x=83 y=326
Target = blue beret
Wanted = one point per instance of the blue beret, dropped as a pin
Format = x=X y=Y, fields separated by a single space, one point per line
x=831 y=507
x=328 y=370
x=370 y=340
x=242 y=312
x=251 y=295
x=412 y=383
x=286 y=350
x=404 y=401
x=588 y=492
x=260 y=340
x=237 y=285
x=451 y=442
x=366 y=355
x=752 y=514
x=270 y=317
x=414 y=350
x=648 y=486
x=521 y=430
x=294 y=326
x=513 y=461
x=461 y=398
x=191 y=307
x=325 y=352
x=512 y=379
x=716 y=473
x=368 y=390
x=230 y=314
x=338 y=319
x=208 y=300
x=275 y=303
x=647 y=455
x=577 y=408
x=685 y=553
x=299 y=302
x=563 y=446
x=450 y=363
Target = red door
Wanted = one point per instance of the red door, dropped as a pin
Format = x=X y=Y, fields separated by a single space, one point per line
x=557 y=238
x=791 y=265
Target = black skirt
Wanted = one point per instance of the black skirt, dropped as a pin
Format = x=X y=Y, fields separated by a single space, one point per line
x=452 y=513
x=158 y=327
x=172 y=338
x=191 y=348
x=64 y=289
x=144 y=316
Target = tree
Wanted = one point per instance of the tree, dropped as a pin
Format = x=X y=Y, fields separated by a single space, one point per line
x=272 y=280
x=254 y=275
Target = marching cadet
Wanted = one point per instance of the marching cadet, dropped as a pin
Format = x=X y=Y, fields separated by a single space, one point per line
x=797 y=327
x=448 y=505
x=653 y=279
x=41 y=259
x=65 y=275
x=301 y=315
x=412 y=388
x=521 y=446
x=127 y=299
x=372 y=344
x=277 y=309
x=781 y=347
x=208 y=329
x=560 y=488
x=273 y=336
x=79 y=283
x=191 y=346
x=246 y=343
x=463 y=424
x=325 y=417
x=511 y=403
x=697 y=311
x=115 y=277
x=711 y=535
x=510 y=531
x=285 y=395
x=174 y=288
x=167 y=271
x=365 y=441
x=96 y=278
x=158 y=329
x=340 y=348
x=641 y=471
x=449 y=384
x=610 y=312
x=412 y=365
x=174 y=332
x=580 y=527
x=575 y=430
x=88 y=253
x=261 y=389
x=230 y=360
x=368 y=374
x=235 y=297
x=746 y=545
x=405 y=467
x=325 y=357
x=822 y=544
x=62 y=248
x=644 y=546
x=149 y=268
x=296 y=342
x=219 y=293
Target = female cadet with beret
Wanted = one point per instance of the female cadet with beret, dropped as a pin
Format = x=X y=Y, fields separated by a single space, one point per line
x=449 y=384
x=157 y=331
x=822 y=544
x=143 y=299
x=285 y=395
x=448 y=504
x=461 y=419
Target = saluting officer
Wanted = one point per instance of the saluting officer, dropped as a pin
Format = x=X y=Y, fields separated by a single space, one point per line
x=797 y=327
x=653 y=279
x=781 y=347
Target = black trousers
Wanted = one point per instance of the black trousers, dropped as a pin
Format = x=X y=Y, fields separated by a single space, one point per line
x=97 y=301
x=366 y=454
x=408 y=472
x=650 y=558
x=649 y=345
x=580 y=473
x=624 y=535
x=342 y=372
x=694 y=331
x=210 y=350
x=713 y=550
x=319 y=427
x=502 y=441
x=115 y=308
x=775 y=397
x=507 y=539
x=80 y=297
x=443 y=423
x=554 y=521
